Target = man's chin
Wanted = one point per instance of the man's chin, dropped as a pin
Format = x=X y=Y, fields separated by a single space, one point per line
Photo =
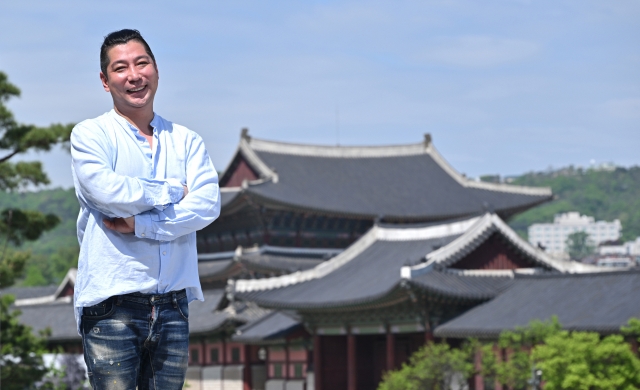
x=136 y=102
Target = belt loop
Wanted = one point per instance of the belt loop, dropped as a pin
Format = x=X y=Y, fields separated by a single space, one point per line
x=119 y=300
x=174 y=299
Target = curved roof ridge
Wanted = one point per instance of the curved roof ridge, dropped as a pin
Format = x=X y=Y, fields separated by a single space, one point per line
x=473 y=237
x=506 y=273
x=465 y=182
x=319 y=271
x=424 y=233
x=335 y=151
x=249 y=145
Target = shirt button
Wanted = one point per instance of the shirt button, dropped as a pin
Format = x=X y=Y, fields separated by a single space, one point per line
x=164 y=253
x=142 y=234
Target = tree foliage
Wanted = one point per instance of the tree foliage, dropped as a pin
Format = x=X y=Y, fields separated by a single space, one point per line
x=513 y=368
x=21 y=363
x=568 y=360
x=56 y=250
x=16 y=138
x=579 y=245
x=433 y=367
x=584 y=361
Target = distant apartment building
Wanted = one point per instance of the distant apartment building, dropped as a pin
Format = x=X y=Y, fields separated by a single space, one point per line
x=553 y=236
x=630 y=248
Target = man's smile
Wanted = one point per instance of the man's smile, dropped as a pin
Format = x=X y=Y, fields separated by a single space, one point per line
x=138 y=89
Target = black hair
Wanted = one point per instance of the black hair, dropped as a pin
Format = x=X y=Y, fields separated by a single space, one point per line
x=120 y=38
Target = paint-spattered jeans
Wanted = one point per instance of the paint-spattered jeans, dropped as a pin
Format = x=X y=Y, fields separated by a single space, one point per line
x=137 y=340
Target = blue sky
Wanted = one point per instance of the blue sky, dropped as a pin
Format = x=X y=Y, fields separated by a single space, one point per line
x=503 y=86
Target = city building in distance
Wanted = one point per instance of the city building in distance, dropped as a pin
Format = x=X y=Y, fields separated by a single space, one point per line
x=552 y=237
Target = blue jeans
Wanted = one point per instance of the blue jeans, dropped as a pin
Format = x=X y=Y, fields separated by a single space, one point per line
x=137 y=340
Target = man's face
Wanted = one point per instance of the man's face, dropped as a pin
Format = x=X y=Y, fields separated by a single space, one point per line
x=132 y=76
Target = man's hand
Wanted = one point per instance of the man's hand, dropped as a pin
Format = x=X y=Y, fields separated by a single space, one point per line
x=121 y=225
x=186 y=191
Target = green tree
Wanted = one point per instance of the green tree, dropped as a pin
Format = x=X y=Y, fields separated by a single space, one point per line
x=515 y=370
x=22 y=351
x=433 y=367
x=568 y=360
x=579 y=245
x=16 y=225
x=21 y=362
x=582 y=360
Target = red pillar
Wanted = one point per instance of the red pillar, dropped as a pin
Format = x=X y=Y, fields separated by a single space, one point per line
x=352 y=383
x=286 y=360
x=223 y=353
x=317 y=368
x=497 y=351
x=246 y=374
x=478 y=379
x=391 y=349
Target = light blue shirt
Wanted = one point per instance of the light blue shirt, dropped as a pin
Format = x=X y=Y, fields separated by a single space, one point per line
x=117 y=174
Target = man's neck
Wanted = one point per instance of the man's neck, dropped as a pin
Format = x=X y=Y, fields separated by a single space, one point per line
x=140 y=118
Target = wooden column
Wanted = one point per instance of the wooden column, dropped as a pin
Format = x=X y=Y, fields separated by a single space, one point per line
x=317 y=368
x=286 y=360
x=428 y=334
x=223 y=353
x=352 y=380
x=498 y=353
x=246 y=374
x=478 y=379
x=391 y=349
x=204 y=353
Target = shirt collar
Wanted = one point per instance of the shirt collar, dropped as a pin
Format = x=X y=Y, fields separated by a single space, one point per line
x=155 y=122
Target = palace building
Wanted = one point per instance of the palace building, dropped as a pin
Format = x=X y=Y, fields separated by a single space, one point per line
x=330 y=265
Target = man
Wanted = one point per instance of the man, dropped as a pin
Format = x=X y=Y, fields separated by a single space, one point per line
x=145 y=186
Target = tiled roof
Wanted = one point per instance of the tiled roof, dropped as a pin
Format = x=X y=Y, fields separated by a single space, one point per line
x=264 y=259
x=418 y=183
x=272 y=326
x=29 y=292
x=386 y=255
x=592 y=302
x=475 y=287
x=284 y=260
x=206 y=316
x=58 y=317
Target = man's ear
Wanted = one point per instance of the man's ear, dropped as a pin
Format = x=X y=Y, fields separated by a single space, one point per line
x=105 y=82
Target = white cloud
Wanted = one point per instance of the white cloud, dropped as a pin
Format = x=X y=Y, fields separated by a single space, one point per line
x=480 y=51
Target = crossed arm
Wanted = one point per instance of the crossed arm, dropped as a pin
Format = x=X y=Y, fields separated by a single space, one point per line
x=128 y=224
x=152 y=209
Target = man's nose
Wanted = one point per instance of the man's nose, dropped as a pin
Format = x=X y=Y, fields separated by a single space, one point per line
x=133 y=74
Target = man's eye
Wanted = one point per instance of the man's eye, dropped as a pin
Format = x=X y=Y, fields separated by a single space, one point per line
x=119 y=69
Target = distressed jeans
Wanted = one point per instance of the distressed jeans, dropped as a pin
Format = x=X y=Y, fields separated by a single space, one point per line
x=137 y=341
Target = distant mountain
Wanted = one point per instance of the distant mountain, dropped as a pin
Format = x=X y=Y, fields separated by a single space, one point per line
x=56 y=250
x=606 y=194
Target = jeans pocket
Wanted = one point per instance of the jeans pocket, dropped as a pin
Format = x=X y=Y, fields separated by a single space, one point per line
x=183 y=308
x=99 y=311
